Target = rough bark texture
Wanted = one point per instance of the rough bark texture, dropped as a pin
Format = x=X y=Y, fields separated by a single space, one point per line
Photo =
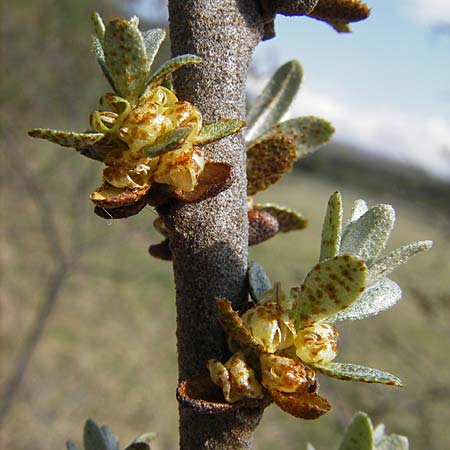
x=209 y=240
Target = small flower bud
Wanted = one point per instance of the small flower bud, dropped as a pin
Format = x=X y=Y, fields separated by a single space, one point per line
x=236 y=378
x=271 y=325
x=285 y=374
x=317 y=343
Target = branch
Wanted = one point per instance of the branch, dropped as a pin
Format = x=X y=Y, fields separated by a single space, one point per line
x=209 y=239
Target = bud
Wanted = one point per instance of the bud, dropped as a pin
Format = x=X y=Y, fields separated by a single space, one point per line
x=236 y=378
x=271 y=325
x=285 y=374
x=317 y=343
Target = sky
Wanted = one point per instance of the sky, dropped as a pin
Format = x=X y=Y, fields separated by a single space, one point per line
x=385 y=87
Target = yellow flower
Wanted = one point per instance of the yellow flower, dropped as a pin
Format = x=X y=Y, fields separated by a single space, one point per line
x=158 y=112
x=317 y=343
x=271 y=325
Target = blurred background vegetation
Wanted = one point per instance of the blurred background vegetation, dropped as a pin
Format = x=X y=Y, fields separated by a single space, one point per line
x=97 y=314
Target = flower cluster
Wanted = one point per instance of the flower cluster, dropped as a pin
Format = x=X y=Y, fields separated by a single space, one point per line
x=284 y=339
x=149 y=141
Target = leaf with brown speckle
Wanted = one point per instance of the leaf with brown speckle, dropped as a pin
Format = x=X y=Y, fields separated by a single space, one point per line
x=217 y=130
x=332 y=228
x=330 y=287
x=309 y=133
x=268 y=159
x=235 y=328
x=288 y=219
x=126 y=58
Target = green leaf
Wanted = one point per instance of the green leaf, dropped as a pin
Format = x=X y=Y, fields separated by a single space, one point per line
x=354 y=372
x=309 y=133
x=167 y=142
x=126 y=58
x=332 y=228
x=111 y=441
x=153 y=39
x=99 y=26
x=359 y=435
x=71 y=446
x=93 y=437
x=170 y=66
x=384 y=266
x=378 y=297
x=235 y=328
x=274 y=100
x=330 y=287
x=217 y=130
x=98 y=50
x=288 y=219
x=258 y=281
x=67 y=138
x=268 y=159
x=393 y=442
x=367 y=236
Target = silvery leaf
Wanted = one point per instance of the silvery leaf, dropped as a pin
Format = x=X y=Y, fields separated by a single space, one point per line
x=379 y=433
x=359 y=435
x=393 y=442
x=98 y=50
x=111 y=441
x=355 y=372
x=332 y=228
x=309 y=446
x=385 y=265
x=153 y=39
x=258 y=281
x=93 y=437
x=359 y=208
x=274 y=100
x=378 y=297
x=367 y=236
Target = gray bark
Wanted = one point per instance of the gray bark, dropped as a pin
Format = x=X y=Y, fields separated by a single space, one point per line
x=209 y=240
